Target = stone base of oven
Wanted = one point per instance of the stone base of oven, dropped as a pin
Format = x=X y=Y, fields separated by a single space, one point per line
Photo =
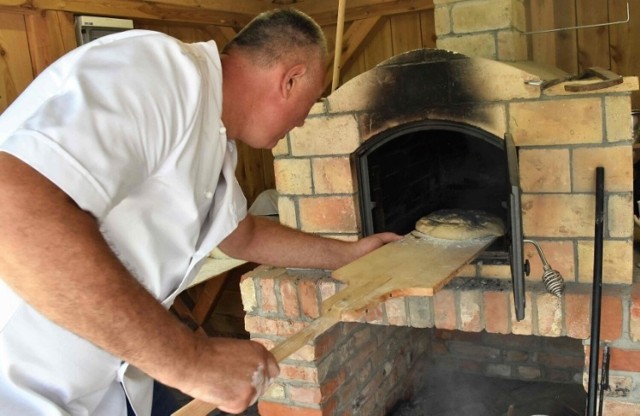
x=359 y=368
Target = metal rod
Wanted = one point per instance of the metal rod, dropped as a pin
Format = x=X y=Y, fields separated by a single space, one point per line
x=604 y=377
x=619 y=22
x=596 y=297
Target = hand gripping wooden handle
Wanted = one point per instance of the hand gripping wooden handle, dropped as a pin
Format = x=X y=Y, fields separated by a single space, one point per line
x=280 y=352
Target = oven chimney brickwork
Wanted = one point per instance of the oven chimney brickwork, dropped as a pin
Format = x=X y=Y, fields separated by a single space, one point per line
x=483 y=28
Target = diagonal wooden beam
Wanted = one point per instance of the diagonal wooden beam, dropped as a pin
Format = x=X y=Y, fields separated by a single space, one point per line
x=353 y=39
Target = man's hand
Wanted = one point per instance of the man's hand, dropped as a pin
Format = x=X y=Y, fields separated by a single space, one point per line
x=372 y=242
x=230 y=373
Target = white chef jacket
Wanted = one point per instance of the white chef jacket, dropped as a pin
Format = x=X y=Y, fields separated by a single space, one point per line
x=129 y=127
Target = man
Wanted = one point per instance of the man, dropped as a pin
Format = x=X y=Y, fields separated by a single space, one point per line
x=116 y=181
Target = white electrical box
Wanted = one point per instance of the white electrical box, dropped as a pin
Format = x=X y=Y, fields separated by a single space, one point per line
x=89 y=28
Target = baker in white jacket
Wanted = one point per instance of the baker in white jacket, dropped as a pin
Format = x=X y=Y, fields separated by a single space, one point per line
x=116 y=181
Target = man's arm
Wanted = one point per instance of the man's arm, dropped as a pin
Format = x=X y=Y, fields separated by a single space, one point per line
x=267 y=242
x=53 y=255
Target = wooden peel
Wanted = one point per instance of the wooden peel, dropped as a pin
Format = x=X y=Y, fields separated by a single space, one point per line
x=409 y=267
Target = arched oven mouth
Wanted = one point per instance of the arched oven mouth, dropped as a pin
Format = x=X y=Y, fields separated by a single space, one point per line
x=411 y=170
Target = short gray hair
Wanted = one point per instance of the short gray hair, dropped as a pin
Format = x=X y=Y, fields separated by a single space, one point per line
x=275 y=34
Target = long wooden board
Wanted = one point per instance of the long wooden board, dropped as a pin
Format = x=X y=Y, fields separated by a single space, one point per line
x=409 y=267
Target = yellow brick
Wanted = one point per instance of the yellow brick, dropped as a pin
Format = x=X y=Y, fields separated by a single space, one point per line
x=482 y=45
x=618 y=118
x=468 y=270
x=554 y=215
x=332 y=175
x=618 y=168
x=355 y=94
x=282 y=148
x=559 y=255
x=319 y=136
x=481 y=15
x=293 y=176
x=617 y=262
x=287 y=212
x=498 y=271
x=442 y=19
x=556 y=122
x=512 y=46
x=248 y=292
x=275 y=391
x=545 y=170
x=319 y=107
x=620 y=215
x=549 y=315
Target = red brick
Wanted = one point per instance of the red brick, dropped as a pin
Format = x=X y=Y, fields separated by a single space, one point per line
x=525 y=326
x=310 y=395
x=280 y=409
x=611 y=408
x=634 y=313
x=289 y=297
x=299 y=373
x=331 y=385
x=262 y=325
x=328 y=214
x=577 y=308
x=374 y=314
x=624 y=360
x=445 y=309
x=496 y=312
x=611 y=318
x=269 y=302
x=309 y=298
x=549 y=315
x=470 y=306
x=396 y=311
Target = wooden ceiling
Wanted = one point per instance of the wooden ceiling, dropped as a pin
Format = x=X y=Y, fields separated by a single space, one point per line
x=232 y=13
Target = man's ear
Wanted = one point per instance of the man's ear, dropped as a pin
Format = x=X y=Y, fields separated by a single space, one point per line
x=291 y=78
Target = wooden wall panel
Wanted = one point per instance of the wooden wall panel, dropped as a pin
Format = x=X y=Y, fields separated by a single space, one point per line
x=380 y=46
x=625 y=49
x=593 y=43
x=15 y=61
x=51 y=34
x=428 y=29
x=189 y=33
x=557 y=49
x=405 y=32
x=392 y=36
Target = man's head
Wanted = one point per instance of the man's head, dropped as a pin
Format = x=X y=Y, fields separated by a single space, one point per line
x=273 y=72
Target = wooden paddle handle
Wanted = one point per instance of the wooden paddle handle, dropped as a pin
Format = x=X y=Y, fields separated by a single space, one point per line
x=280 y=352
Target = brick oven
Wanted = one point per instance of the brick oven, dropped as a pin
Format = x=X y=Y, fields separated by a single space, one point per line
x=443 y=117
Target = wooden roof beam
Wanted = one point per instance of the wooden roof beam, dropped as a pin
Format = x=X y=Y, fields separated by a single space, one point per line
x=326 y=12
x=217 y=12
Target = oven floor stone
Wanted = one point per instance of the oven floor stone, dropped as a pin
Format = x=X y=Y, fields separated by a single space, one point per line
x=448 y=393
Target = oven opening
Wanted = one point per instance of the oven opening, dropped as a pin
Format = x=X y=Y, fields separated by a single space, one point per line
x=409 y=171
